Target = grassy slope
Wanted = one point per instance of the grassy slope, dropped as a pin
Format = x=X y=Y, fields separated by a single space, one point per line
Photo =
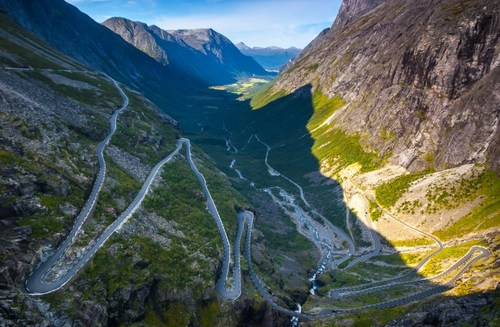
x=485 y=215
x=484 y=186
x=188 y=266
x=329 y=144
x=293 y=126
x=389 y=192
x=340 y=150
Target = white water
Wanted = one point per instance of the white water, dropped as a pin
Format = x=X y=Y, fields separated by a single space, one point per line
x=295 y=320
x=313 y=228
x=316 y=232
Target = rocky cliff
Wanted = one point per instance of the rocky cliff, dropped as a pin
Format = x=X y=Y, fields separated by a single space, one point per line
x=352 y=9
x=420 y=80
x=203 y=53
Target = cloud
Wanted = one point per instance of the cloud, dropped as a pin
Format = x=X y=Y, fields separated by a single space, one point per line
x=84 y=1
x=256 y=22
x=259 y=23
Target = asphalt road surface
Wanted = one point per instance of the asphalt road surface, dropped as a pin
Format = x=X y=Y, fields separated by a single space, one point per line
x=37 y=285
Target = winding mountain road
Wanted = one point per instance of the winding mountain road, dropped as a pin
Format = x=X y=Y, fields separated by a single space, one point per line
x=339 y=232
x=336 y=293
x=246 y=218
x=464 y=262
x=36 y=283
x=235 y=291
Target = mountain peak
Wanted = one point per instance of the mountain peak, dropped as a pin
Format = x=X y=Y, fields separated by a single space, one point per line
x=123 y=22
x=351 y=9
x=139 y=35
x=200 y=38
x=242 y=46
x=201 y=52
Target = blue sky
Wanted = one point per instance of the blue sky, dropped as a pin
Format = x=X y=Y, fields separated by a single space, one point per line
x=281 y=23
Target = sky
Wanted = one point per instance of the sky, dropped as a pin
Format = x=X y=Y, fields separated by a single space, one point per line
x=282 y=23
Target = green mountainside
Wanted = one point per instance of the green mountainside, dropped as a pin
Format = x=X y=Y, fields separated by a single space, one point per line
x=164 y=260
x=373 y=178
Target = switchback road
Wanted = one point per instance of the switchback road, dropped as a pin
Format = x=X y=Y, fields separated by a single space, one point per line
x=36 y=284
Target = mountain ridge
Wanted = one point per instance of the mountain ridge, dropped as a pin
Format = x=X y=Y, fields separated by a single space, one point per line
x=430 y=80
x=272 y=58
x=202 y=53
x=103 y=49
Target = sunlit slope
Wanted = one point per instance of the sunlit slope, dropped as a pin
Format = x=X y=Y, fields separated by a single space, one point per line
x=303 y=126
x=420 y=81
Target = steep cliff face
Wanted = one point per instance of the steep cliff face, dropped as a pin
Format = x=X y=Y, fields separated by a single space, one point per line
x=139 y=35
x=202 y=53
x=420 y=80
x=352 y=9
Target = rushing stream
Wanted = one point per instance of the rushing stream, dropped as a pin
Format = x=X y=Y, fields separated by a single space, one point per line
x=314 y=231
x=295 y=320
x=326 y=236
x=285 y=200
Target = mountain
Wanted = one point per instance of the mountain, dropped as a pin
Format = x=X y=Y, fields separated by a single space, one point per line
x=95 y=46
x=271 y=58
x=203 y=53
x=419 y=80
x=55 y=113
x=342 y=235
x=242 y=46
x=352 y=9
x=393 y=114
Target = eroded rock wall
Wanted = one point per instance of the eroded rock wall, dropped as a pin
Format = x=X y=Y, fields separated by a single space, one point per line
x=420 y=79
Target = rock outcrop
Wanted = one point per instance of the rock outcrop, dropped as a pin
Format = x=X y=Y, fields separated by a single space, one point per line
x=352 y=9
x=420 y=79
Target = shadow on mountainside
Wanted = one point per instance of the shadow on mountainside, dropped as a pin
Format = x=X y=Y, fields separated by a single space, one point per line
x=227 y=129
